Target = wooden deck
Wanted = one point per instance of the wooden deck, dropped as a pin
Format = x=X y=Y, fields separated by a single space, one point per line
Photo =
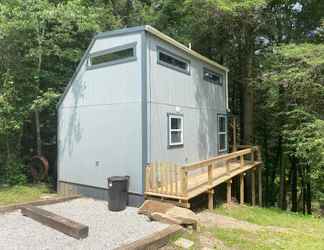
x=182 y=183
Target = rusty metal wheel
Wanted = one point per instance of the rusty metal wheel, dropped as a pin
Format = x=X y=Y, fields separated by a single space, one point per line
x=39 y=168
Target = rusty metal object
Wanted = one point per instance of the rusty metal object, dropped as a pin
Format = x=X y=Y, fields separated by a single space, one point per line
x=39 y=167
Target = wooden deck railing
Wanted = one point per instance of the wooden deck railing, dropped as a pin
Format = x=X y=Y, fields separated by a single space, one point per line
x=184 y=182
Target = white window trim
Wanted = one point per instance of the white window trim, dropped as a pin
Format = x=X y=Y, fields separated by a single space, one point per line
x=222 y=133
x=170 y=130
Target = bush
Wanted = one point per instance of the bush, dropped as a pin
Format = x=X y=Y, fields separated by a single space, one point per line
x=16 y=172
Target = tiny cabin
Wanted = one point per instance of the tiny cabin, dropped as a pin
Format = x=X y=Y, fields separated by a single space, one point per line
x=138 y=96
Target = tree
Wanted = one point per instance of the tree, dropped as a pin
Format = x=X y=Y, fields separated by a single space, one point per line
x=41 y=42
x=292 y=91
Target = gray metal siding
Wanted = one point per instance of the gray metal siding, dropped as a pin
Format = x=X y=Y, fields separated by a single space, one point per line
x=100 y=127
x=171 y=91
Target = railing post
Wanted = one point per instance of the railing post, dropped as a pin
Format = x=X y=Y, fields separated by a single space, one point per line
x=228 y=171
x=184 y=181
x=210 y=175
x=252 y=154
x=241 y=161
x=258 y=153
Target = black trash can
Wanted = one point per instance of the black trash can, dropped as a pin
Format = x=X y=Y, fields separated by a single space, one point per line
x=117 y=192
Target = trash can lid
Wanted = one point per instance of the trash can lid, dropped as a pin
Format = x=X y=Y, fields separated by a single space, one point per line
x=118 y=178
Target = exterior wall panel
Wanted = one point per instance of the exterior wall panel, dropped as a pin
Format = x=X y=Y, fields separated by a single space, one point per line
x=199 y=101
x=100 y=131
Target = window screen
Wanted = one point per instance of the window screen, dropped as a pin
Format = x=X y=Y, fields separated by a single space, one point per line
x=213 y=77
x=172 y=61
x=175 y=130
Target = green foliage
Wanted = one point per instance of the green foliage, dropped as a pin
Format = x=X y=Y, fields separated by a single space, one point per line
x=22 y=193
x=40 y=44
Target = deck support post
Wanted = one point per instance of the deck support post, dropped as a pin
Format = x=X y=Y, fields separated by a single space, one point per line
x=242 y=188
x=229 y=191
x=211 y=199
x=253 y=186
x=260 y=185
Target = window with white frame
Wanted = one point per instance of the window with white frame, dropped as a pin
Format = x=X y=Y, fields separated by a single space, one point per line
x=222 y=133
x=175 y=127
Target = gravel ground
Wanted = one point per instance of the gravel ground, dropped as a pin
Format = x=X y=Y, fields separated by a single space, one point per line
x=107 y=230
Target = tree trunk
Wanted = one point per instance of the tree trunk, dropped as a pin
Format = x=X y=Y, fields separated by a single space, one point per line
x=303 y=188
x=282 y=167
x=308 y=191
x=248 y=104
x=293 y=181
x=38 y=134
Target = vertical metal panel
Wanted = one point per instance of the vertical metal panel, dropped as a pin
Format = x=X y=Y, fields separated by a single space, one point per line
x=100 y=121
x=197 y=100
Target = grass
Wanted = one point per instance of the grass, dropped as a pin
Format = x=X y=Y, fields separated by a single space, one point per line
x=20 y=194
x=273 y=217
x=280 y=230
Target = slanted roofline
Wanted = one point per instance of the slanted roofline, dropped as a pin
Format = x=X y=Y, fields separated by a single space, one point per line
x=148 y=29
x=165 y=38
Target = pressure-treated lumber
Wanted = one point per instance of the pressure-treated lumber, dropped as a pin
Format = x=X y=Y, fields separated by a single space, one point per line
x=253 y=186
x=57 y=222
x=168 y=181
x=242 y=188
x=229 y=191
x=211 y=199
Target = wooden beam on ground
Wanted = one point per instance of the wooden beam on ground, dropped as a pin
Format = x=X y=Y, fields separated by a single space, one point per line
x=10 y=208
x=242 y=188
x=253 y=186
x=260 y=185
x=57 y=222
x=229 y=191
x=211 y=199
x=155 y=240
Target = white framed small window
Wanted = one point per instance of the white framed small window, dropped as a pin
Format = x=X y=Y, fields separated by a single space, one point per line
x=175 y=127
x=222 y=133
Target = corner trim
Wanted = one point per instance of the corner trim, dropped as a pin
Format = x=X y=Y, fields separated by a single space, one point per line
x=144 y=107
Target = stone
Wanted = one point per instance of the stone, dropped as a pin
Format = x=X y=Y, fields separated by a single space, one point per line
x=184 y=243
x=169 y=213
x=150 y=206
x=164 y=218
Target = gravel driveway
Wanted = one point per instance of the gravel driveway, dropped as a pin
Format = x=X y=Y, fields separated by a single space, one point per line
x=107 y=230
